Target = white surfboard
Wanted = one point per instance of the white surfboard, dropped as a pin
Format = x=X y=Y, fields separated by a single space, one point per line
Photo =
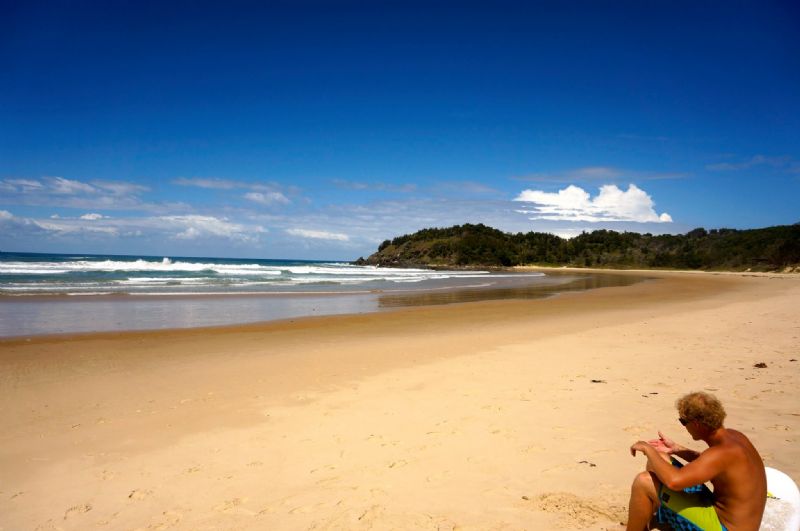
x=782 y=512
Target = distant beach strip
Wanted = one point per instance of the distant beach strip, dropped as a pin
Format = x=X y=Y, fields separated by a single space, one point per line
x=63 y=293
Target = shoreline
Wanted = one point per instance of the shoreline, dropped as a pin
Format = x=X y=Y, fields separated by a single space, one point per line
x=479 y=415
x=43 y=315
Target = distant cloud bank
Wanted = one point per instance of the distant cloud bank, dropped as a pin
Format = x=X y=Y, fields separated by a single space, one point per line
x=216 y=216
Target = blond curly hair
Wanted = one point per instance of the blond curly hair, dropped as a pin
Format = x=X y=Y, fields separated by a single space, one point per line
x=702 y=407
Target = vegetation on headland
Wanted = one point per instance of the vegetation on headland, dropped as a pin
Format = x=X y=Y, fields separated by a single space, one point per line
x=768 y=249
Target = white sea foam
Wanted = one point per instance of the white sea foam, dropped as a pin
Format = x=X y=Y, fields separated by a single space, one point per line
x=166 y=265
x=171 y=276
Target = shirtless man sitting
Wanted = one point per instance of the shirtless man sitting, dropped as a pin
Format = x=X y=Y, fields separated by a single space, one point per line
x=730 y=463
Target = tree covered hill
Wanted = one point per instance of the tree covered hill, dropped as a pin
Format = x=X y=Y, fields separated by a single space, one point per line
x=768 y=249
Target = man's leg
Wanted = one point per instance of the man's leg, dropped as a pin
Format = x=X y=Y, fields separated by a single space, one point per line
x=644 y=501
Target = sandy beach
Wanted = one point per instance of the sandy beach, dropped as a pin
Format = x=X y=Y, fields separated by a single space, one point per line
x=512 y=414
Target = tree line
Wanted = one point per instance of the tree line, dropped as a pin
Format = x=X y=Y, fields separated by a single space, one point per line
x=767 y=249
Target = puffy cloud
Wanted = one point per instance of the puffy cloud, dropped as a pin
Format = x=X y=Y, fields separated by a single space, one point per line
x=267 y=198
x=92 y=217
x=318 y=235
x=575 y=204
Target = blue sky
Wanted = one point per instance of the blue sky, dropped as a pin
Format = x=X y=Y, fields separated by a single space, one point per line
x=319 y=129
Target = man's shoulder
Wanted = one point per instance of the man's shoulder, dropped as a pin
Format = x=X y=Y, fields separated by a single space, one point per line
x=734 y=445
x=735 y=438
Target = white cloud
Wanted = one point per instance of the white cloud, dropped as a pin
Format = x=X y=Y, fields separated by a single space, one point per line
x=25 y=185
x=267 y=198
x=60 y=185
x=5 y=214
x=70 y=193
x=120 y=188
x=64 y=227
x=191 y=233
x=575 y=204
x=92 y=217
x=318 y=234
x=195 y=226
x=215 y=183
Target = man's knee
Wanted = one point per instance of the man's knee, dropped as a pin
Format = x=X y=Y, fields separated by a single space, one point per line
x=663 y=456
x=646 y=483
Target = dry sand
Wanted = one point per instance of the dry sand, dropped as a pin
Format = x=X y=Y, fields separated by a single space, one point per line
x=492 y=415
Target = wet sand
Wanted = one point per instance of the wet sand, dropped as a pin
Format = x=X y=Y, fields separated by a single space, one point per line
x=508 y=414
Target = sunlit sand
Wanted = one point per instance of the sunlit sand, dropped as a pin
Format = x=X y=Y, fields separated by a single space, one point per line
x=510 y=414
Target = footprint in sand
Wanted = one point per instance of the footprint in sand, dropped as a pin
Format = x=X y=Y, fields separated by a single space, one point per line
x=233 y=505
x=140 y=494
x=173 y=517
x=576 y=511
x=76 y=510
x=106 y=475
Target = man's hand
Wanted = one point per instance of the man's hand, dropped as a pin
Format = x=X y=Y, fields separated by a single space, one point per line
x=664 y=445
x=639 y=447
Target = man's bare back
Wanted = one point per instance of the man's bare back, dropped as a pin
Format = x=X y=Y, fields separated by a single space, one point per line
x=731 y=463
x=741 y=488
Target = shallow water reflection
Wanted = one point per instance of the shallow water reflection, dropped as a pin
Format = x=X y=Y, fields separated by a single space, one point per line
x=547 y=287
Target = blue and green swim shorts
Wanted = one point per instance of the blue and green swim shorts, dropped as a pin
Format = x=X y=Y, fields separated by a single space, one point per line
x=690 y=509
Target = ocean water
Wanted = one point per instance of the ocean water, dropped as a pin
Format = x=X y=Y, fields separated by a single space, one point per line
x=44 y=294
x=24 y=274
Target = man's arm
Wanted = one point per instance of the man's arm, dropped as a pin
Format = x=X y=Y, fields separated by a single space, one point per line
x=686 y=454
x=704 y=467
x=670 y=447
